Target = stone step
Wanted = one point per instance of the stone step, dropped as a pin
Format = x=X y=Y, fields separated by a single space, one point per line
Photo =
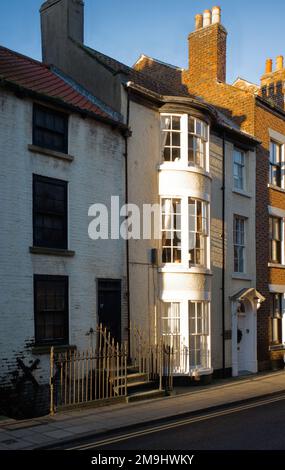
x=147 y=395
x=135 y=387
x=136 y=377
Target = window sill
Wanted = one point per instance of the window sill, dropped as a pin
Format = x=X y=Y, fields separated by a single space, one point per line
x=182 y=269
x=37 y=250
x=277 y=347
x=240 y=192
x=180 y=167
x=276 y=265
x=242 y=276
x=50 y=153
x=277 y=188
x=45 y=348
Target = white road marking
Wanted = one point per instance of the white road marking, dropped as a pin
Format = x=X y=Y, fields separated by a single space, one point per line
x=183 y=422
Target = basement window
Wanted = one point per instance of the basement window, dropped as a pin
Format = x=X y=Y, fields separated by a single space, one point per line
x=50 y=129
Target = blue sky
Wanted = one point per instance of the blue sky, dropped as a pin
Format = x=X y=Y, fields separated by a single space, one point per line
x=126 y=28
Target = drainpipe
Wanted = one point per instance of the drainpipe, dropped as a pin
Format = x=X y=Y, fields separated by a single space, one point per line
x=126 y=137
x=224 y=255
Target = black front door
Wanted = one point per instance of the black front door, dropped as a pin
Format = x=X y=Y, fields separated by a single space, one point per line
x=109 y=306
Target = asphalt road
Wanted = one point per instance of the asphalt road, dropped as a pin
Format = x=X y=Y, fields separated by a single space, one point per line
x=253 y=426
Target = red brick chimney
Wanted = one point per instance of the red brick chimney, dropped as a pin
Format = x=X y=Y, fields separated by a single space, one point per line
x=272 y=81
x=207 y=49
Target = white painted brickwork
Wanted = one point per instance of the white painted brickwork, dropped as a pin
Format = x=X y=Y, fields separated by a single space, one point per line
x=96 y=173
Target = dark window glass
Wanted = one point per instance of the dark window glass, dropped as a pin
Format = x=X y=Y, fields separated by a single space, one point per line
x=51 y=309
x=276 y=313
x=50 y=129
x=275 y=164
x=275 y=239
x=50 y=212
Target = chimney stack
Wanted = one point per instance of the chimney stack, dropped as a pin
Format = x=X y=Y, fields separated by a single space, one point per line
x=268 y=66
x=280 y=63
x=216 y=15
x=61 y=20
x=208 y=49
x=207 y=18
x=198 y=22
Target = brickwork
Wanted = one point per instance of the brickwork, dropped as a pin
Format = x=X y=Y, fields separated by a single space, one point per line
x=96 y=173
x=206 y=78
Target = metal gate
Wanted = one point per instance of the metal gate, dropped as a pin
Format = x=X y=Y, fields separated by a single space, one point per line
x=78 y=378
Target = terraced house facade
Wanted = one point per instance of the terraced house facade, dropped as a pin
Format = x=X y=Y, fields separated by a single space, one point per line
x=193 y=160
x=207 y=280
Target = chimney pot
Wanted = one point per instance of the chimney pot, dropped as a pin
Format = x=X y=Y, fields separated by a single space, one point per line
x=268 y=67
x=207 y=18
x=216 y=15
x=198 y=21
x=280 y=62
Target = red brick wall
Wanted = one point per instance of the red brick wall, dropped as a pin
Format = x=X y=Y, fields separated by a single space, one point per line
x=207 y=53
x=207 y=66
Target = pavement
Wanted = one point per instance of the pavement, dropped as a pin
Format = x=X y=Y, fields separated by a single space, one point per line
x=80 y=423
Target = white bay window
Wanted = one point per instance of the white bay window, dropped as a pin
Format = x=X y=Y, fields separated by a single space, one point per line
x=198 y=232
x=185 y=328
x=171 y=137
x=185 y=232
x=171 y=230
x=185 y=140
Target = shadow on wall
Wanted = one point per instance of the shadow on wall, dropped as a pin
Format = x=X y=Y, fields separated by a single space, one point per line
x=21 y=396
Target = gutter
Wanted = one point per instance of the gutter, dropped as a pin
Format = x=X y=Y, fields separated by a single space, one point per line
x=201 y=105
x=126 y=137
x=223 y=255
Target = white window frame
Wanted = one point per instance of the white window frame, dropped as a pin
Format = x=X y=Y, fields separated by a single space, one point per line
x=242 y=166
x=173 y=231
x=182 y=359
x=276 y=318
x=236 y=244
x=185 y=234
x=203 y=233
x=281 y=221
x=273 y=163
x=184 y=148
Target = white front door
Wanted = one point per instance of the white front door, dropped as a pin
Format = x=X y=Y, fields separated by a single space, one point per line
x=242 y=343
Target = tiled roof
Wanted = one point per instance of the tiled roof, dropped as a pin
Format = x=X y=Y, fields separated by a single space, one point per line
x=39 y=78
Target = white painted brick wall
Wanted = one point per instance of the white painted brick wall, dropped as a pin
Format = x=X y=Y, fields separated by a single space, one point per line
x=96 y=173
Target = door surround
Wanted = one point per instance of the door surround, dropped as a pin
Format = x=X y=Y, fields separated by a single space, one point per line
x=245 y=303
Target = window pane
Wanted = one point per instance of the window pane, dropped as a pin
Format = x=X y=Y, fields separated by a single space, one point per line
x=191 y=125
x=171 y=139
x=197 y=142
x=51 y=309
x=198 y=231
x=50 y=129
x=198 y=331
x=176 y=139
x=171 y=230
x=50 y=212
x=176 y=123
